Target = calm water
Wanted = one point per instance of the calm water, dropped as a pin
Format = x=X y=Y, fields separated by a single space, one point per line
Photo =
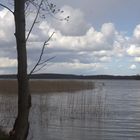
x=111 y=111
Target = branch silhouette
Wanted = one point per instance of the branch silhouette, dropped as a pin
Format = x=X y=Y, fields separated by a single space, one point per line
x=2 y=5
x=34 y=20
x=40 y=58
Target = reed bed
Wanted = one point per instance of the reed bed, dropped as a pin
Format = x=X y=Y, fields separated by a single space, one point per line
x=47 y=86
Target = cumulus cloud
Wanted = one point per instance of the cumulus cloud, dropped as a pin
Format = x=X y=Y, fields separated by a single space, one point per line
x=105 y=59
x=133 y=50
x=75 y=67
x=136 y=32
x=92 y=41
x=134 y=45
x=77 y=24
x=6 y=27
x=77 y=45
x=6 y=62
x=137 y=59
x=133 y=67
x=109 y=31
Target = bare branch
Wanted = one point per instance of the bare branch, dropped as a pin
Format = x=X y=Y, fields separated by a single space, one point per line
x=47 y=60
x=40 y=57
x=32 y=71
x=38 y=69
x=42 y=7
x=7 y=8
x=34 y=21
x=51 y=10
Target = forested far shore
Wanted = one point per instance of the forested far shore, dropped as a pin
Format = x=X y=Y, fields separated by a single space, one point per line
x=71 y=76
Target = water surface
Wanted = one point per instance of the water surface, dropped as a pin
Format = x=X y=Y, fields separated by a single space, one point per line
x=110 y=111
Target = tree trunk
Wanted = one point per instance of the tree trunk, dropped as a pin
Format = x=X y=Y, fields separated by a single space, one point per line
x=21 y=126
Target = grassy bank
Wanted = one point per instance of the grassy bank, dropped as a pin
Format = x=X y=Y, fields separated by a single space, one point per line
x=10 y=86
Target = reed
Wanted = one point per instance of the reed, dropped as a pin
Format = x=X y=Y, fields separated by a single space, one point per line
x=47 y=86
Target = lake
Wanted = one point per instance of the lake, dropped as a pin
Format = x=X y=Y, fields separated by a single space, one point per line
x=109 y=111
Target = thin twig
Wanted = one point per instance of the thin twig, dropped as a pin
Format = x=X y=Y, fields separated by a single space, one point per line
x=32 y=71
x=39 y=68
x=50 y=11
x=47 y=60
x=7 y=8
x=41 y=54
x=34 y=21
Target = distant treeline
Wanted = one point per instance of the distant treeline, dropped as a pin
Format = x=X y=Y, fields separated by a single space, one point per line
x=70 y=76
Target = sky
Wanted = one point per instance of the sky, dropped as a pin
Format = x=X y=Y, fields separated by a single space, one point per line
x=101 y=37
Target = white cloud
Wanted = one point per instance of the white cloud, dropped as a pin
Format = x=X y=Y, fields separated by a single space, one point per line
x=91 y=41
x=133 y=67
x=6 y=26
x=73 y=67
x=133 y=50
x=77 y=24
x=77 y=45
x=105 y=59
x=137 y=59
x=134 y=45
x=136 y=32
x=108 y=30
x=6 y=62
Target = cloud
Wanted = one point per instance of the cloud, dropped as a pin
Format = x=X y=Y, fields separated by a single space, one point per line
x=134 y=45
x=77 y=45
x=6 y=62
x=108 y=30
x=75 y=67
x=105 y=59
x=137 y=59
x=73 y=47
x=133 y=67
x=77 y=24
x=133 y=50
x=6 y=27
x=136 y=33
x=92 y=41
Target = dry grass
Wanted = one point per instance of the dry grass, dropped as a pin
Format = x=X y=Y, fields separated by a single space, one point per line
x=44 y=86
x=8 y=86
